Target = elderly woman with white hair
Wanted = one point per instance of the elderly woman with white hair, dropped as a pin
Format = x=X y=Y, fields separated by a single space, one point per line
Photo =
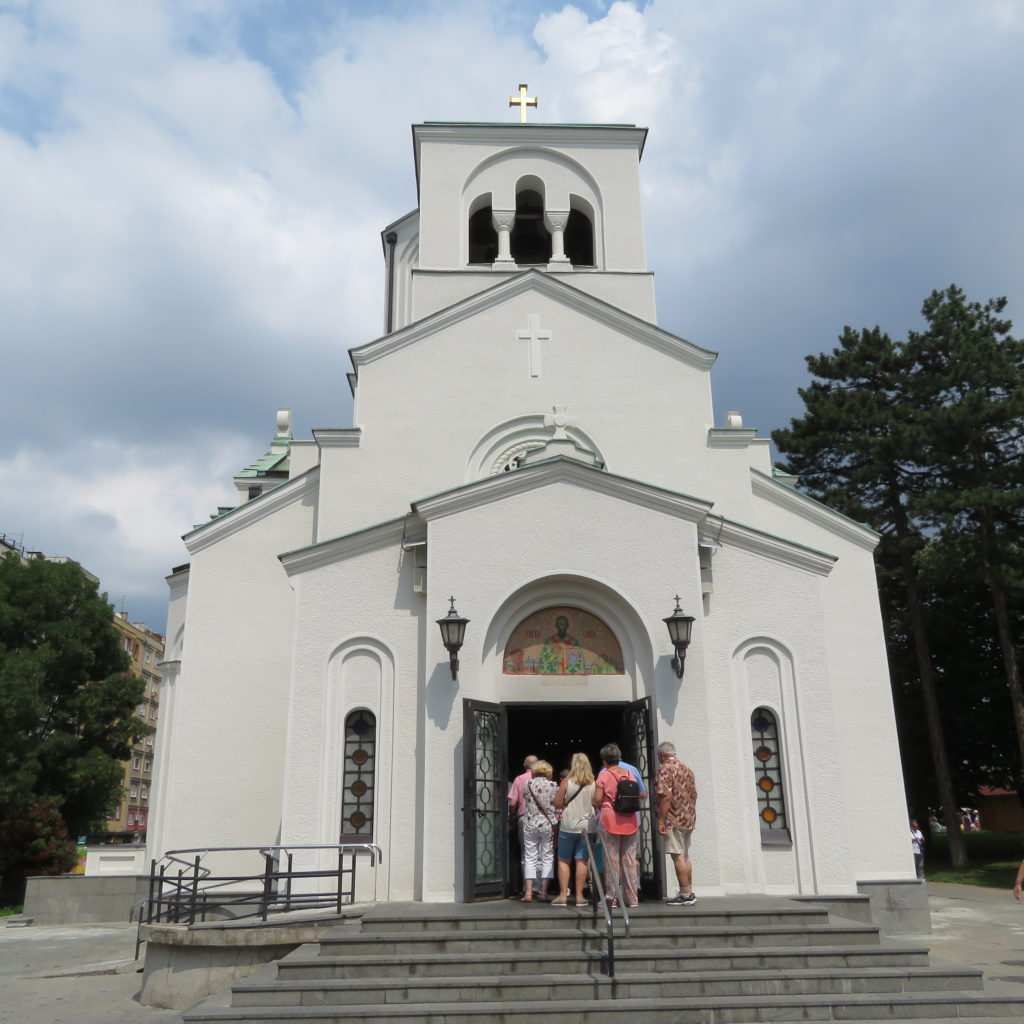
x=538 y=830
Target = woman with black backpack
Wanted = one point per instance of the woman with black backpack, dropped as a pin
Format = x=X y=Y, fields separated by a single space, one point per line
x=617 y=797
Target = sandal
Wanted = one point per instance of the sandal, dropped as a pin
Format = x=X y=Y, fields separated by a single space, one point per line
x=560 y=901
x=525 y=899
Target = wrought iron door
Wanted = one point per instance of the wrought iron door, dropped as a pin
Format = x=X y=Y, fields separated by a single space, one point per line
x=638 y=743
x=485 y=803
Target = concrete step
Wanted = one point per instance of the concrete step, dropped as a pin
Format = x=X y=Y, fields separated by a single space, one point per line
x=552 y=987
x=696 y=1010
x=583 y=937
x=305 y=964
x=714 y=913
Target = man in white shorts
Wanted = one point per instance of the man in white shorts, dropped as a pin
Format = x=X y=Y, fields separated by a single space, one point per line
x=676 y=788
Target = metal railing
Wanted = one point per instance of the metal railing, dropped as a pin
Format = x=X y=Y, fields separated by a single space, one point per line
x=600 y=900
x=194 y=892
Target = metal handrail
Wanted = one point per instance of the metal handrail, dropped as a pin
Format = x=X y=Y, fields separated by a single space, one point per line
x=602 y=902
x=187 y=895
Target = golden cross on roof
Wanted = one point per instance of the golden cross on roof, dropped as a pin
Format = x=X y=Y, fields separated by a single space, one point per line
x=522 y=101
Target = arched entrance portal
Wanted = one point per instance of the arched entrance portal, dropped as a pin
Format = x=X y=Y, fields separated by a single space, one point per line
x=568 y=659
x=497 y=739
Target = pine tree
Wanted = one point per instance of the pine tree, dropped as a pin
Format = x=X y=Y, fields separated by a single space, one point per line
x=855 y=450
x=968 y=383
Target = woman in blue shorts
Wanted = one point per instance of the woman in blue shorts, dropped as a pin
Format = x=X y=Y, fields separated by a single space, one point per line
x=575 y=800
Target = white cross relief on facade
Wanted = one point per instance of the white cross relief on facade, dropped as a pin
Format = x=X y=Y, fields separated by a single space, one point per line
x=534 y=334
x=558 y=421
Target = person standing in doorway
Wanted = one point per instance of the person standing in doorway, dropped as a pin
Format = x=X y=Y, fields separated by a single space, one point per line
x=541 y=820
x=574 y=799
x=517 y=814
x=676 y=789
x=618 y=830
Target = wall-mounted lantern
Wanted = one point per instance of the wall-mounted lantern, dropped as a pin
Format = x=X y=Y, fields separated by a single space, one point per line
x=679 y=628
x=453 y=633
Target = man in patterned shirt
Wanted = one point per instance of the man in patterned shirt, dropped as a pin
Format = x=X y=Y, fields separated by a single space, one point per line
x=677 y=815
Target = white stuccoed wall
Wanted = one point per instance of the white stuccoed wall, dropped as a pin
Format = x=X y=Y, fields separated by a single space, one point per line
x=226 y=741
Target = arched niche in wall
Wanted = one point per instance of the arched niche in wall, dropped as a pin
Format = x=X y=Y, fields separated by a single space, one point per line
x=562 y=640
x=599 y=600
x=500 y=449
x=360 y=694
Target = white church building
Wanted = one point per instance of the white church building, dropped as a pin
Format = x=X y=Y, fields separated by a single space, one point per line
x=528 y=441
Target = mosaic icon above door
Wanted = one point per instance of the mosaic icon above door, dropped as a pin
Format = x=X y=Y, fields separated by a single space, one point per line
x=562 y=641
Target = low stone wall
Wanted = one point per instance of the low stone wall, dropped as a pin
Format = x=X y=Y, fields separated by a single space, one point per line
x=899 y=907
x=185 y=964
x=81 y=899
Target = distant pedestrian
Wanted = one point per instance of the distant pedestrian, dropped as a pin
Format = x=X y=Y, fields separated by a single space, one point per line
x=676 y=789
x=1020 y=881
x=917 y=843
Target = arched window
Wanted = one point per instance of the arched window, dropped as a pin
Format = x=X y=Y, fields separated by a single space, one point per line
x=483 y=239
x=359 y=771
x=531 y=240
x=771 y=801
x=579 y=239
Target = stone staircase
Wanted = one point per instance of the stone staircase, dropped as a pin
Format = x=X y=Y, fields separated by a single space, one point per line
x=724 y=960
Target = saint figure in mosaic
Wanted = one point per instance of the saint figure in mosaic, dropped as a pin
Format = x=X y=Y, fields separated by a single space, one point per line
x=561 y=654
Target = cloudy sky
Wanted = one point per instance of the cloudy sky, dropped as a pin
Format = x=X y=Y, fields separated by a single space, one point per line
x=191 y=195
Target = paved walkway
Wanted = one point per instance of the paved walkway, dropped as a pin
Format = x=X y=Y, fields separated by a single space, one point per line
x=86 y=974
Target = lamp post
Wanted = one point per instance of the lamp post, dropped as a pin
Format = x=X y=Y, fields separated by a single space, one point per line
x=453 y=633
x=679 y=628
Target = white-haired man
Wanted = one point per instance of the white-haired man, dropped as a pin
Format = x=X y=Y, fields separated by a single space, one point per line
x=676 y=788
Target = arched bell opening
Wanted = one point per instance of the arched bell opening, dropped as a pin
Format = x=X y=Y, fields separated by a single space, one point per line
x=531 y=240
x=483 y=238
x=579 y=233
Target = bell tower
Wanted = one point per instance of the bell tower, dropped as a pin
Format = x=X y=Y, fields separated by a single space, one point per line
x=502 y=199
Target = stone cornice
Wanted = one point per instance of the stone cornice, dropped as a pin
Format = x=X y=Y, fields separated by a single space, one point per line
x=253 y=511
x=327 y=552
x=512 y=134
x=763 y=486
x=731 y=437
x=547 y=284
x=731 y=534
x=337 y=437
x=559 y=470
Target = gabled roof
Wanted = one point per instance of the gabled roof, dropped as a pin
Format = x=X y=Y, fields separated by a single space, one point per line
x=556 y=470
x=545 y=284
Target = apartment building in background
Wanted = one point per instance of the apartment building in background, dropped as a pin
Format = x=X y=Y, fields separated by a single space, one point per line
x=146 y=650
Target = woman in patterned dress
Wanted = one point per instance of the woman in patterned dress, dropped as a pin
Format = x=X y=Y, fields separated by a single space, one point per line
x=538 y=840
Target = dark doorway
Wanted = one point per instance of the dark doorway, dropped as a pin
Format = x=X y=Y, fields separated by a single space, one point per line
x=556 y=732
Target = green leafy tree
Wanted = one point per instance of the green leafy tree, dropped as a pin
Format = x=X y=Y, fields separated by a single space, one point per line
x=855 y=450
x=66 y=703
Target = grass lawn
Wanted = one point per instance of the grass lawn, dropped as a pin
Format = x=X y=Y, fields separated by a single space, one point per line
x=9 y=911
x=993 y=859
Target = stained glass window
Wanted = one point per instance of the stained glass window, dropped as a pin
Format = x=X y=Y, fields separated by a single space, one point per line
x=358 y=777
x=771 y=802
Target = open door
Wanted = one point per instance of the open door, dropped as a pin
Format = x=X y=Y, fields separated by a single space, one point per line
x=638 y=749
x=484 y=810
